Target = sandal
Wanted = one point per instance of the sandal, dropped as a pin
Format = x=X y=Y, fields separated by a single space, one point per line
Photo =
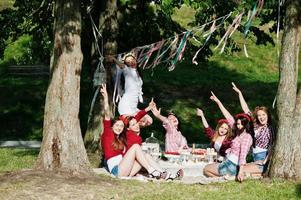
x=179 y=175
x=155 y=174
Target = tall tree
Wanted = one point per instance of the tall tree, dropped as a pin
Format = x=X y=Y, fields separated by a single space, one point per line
x=109 y=29
x=286 y=162
x=62 y=147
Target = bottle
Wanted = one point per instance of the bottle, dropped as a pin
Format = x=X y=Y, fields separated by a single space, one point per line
x=193 y=148
x=153 y=144
x=152 y=139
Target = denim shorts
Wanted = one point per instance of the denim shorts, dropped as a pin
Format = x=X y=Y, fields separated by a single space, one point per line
x=114 y=170
x=227 y=167
x=261 y=156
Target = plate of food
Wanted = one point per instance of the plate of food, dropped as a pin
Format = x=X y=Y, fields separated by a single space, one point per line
x=200 y=151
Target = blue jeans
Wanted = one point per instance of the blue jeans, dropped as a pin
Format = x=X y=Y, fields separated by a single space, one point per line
x=261 y=156
x=227 y=167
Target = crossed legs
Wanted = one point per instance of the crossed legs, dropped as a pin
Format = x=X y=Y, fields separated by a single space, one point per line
x=133 y=160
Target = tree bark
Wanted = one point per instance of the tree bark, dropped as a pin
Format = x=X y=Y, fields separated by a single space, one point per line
x=62 y=147
x=286 y=162
x=109 y=29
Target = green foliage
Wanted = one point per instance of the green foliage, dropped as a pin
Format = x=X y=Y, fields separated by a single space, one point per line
x=19 y=52
x=33 y=18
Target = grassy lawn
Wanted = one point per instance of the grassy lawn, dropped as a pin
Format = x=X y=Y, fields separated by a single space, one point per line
x=16 y=159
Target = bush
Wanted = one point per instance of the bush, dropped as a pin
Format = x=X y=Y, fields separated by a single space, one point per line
x=19 y=52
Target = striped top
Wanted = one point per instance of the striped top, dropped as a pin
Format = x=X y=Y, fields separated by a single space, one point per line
x=174 y=140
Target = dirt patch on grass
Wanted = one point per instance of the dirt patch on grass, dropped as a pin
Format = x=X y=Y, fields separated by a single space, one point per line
x=31 y=184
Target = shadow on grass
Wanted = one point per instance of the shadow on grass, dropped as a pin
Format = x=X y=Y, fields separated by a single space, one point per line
x=298 y=190
x=20 y=152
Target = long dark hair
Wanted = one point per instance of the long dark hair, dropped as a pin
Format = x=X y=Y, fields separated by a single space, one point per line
x=248 y=125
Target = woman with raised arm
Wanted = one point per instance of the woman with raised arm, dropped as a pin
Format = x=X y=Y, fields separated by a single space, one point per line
x=221 y=137
x=264 y=135
x=118 y=161
x=174 y=140
x=235 y=161
x=132 y=88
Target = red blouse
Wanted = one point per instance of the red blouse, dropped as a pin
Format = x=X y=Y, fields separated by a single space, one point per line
x=131 y=136
x=107 y=139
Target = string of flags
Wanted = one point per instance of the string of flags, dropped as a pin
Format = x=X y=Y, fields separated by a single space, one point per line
x=171 y=50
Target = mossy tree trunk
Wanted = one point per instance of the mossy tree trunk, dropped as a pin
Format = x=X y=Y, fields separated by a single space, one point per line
x=62 y=147
x=286 y=161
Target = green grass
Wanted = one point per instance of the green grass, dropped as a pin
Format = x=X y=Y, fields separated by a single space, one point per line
x=22 y=106
x=256 y=190
x=16 y=159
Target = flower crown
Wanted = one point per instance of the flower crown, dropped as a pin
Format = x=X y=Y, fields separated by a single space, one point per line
x=221 y=121
x=244 y=116
x=124 y=119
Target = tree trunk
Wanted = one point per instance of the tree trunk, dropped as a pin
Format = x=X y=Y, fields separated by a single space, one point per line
x=109 y=29
x=286 y=162
x=62 y=147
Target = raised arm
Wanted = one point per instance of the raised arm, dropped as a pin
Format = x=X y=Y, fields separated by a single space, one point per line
x=143 y=112
x=116 y=61
x=104 y=93
x=200 y=113
x=157 y=113
x=225 y=112
x=242 y=100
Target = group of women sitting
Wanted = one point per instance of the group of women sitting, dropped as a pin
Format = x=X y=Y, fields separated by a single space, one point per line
x=233 y=137
x=121 y=144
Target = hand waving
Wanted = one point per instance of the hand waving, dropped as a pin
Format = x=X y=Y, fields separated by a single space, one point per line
x=213 y=97
x=236 y=88
x=199 y=112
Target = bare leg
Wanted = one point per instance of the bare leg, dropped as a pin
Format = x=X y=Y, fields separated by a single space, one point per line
x=127 y=162
x=211 y=170
x=135 y=169
x=253 y=169
x=153 y=163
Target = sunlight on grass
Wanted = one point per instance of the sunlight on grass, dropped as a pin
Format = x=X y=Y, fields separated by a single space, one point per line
x=250 y=189
x=15 y=159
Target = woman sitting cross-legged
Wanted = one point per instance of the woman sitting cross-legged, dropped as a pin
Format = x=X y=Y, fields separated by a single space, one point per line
x=174 y=140
x=119 y=162
x=221 y=138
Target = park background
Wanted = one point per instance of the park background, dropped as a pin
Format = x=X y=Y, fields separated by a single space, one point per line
x=22 y=100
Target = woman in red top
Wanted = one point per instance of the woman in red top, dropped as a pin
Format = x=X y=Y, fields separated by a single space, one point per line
x=221 y=137
x=113 y=142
